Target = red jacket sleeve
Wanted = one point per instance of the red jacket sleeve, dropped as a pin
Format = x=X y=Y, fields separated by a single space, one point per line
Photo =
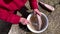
x=10 y=6
x=9 y=17
x=33 y=4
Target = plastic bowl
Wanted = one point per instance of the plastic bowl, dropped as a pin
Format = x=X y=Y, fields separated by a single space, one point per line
x=44 y=27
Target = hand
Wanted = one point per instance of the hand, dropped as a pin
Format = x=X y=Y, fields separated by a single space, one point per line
x=36 y=11
x=24 y=21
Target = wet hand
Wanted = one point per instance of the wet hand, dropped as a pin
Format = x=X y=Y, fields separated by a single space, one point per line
x=24 y=21
x=36 y=11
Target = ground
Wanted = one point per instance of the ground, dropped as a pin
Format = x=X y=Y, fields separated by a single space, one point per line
x=53 y=17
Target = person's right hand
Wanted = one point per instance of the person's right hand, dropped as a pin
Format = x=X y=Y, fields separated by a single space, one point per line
x=24 y=21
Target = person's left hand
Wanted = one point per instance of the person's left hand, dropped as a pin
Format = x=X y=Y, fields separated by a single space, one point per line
x=36 y=11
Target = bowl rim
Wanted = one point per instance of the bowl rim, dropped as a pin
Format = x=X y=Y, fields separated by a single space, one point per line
x=40 y=30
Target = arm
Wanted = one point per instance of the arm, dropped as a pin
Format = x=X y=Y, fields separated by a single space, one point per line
x=9 y=17
x=33 y=4
x=6 y=15
x=12 y=18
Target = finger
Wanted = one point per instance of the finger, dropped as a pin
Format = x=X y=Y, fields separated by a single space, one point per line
x=39 y=13
x=26 y=22
x=29 y=22
x=35 y=13
x=23 y=23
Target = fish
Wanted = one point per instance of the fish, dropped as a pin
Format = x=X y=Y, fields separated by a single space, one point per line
x=36 y=22
x=47 y=6
x=39 y=21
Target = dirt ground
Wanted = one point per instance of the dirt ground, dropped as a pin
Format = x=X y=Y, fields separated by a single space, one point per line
x=54 y=19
